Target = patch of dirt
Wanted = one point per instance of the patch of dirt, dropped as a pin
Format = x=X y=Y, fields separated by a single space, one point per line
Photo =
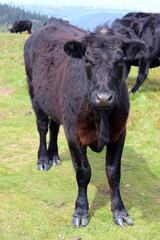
x=2 y=116
x=56 y=205
x=76 y=238
x=158 y=191
x=5 y=91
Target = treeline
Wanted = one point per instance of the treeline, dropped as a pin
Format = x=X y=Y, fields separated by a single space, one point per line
x=9 y=14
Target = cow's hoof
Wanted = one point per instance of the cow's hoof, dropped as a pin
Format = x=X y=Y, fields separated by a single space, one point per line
x=128 y=220
x=119 y=221
x=47 y=167
x=40 y=167
x=53 y=162
x=56 y=159
x=43 y=167
x=58 y=162
x=84 y=222
x=76 y=222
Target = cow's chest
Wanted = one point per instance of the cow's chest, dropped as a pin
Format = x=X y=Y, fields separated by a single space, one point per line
x=91 y=132
x=118 y=122
x=87 y=131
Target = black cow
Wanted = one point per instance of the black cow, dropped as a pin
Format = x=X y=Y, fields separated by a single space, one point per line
x=147 y=27
x=20 y=26
x=140 y=14
x=87 y=93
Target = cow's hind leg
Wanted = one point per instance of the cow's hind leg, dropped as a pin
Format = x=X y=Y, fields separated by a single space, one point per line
x=113 y=168
x=53 y=148
x=142 y=74
x=42 y=126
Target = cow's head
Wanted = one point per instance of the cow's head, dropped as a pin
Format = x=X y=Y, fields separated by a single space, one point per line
x=11 y=30
x=103 y=53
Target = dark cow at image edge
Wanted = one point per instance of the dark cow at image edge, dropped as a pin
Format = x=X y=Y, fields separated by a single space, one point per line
x=146 y=26
x=87 y=93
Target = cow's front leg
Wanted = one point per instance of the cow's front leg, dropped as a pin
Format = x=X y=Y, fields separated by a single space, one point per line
x=83 y=175
x=113 y=168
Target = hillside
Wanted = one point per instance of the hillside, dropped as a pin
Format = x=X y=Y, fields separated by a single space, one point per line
x=83 y=17
x=10 y=14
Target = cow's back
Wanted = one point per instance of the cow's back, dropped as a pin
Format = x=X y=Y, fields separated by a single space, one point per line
x=46 y=63
x=53 y=34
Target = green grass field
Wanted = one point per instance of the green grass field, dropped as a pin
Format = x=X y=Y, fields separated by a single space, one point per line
x=37 y=205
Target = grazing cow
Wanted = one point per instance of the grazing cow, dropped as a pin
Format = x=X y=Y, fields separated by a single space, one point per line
x=87 y=93
x=147 y=27
x=20 y=26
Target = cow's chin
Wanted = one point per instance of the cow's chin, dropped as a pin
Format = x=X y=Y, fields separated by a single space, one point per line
x=103 y=108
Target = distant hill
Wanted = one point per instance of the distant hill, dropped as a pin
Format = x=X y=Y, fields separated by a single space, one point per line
x=10 y=14
x=83 y=17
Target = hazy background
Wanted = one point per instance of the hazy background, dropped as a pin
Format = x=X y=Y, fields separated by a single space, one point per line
x=86 y=14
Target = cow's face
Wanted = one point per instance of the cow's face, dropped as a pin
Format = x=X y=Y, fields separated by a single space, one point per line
x=11 y=30
x=103 y=54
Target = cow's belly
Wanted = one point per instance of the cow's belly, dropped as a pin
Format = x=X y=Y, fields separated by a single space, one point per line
x=48 y=101
x=47 y=79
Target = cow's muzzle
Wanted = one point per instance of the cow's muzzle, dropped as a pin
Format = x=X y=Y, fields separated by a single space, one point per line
x=103 y=99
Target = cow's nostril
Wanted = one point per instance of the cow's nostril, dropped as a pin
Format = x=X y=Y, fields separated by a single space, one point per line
x=97 y=96
x=110 y=98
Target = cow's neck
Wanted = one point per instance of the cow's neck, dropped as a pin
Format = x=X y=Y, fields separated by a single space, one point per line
x=104 y=132
x=102 y=118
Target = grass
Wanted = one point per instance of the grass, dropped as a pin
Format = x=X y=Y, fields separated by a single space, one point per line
x=39 y=205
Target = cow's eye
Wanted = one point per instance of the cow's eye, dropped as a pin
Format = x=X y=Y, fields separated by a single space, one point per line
x=86 y=61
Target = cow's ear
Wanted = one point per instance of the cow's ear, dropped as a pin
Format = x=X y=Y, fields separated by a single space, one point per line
x=74 y=49
x=134 y=49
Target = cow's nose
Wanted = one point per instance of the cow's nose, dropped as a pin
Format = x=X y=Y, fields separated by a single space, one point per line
x=102 y=99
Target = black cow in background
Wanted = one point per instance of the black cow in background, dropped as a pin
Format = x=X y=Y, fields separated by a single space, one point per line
x=147 y=27
x=21 y=26
x=87 y=93
x=140 y=14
